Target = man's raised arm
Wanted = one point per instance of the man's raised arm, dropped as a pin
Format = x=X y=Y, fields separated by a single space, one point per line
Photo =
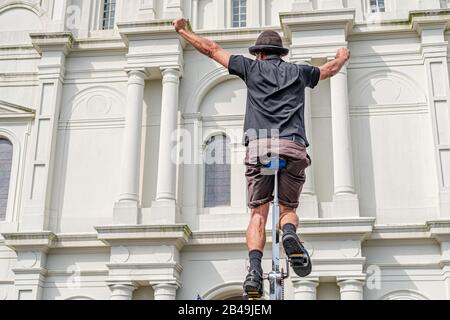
x=205 y=46
x=333 y=67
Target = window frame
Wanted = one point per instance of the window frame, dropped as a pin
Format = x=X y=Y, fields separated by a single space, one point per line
x=102 y=15
x=377 y=6
x=10 y=178
x=204 y=175
x=14 y=176
x=241 y=24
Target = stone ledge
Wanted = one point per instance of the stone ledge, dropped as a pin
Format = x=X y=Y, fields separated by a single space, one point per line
x=439 y=230
x=52 y=41
x=317 y=20
x=29 y=241
x=177 y=235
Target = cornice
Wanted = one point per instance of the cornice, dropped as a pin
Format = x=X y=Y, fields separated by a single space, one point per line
x=317 y=20
x=29 y=241
x=177 y=234
x=14 y=111
x=154 y=29
x=52 y=41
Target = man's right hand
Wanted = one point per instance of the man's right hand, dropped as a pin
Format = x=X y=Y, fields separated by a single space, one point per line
x=344 y=54
x=180 y=24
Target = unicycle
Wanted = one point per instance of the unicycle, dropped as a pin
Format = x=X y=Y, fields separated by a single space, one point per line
x=277 y=276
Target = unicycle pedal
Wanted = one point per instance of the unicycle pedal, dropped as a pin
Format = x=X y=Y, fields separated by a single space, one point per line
x=253 y=296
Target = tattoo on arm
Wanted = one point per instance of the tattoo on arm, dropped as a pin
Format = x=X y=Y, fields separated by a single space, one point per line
x=207 y=47
x=331 y=68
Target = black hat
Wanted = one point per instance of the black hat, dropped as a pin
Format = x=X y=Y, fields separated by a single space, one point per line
x=269 y=42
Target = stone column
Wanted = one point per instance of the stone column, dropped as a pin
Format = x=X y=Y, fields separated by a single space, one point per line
x=165 y=205
x=40 y=165
x=305 y=289
x=345 y=200
x=351 y=289
x=122 y=291
x=308 y=198
x=127 y=208
x=165 y=291
x=194 y=14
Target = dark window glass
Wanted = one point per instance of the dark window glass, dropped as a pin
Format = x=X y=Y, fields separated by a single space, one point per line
x=217 y=172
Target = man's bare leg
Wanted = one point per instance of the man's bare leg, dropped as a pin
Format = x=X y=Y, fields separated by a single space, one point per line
x=292 y=245
x=256 y=231
x=288 y=215
x=256 y=241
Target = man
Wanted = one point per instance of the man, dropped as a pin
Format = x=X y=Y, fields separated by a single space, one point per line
x=274 y=125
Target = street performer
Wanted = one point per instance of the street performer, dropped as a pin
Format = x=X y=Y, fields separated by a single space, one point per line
x=274 y=125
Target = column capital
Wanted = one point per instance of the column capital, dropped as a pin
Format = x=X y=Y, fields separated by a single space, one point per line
x=122 y=290
x=165 y=285
x=165 y=290
x=305 y=288
x=343 y=281
x=352 y=288
x=122 y=284
x=313 y=281
x=170 y=74
x=137 y=76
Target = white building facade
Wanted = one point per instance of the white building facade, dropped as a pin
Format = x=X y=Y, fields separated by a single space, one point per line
x=106 y=116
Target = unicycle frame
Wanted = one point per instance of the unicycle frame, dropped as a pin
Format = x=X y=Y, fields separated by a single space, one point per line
x=276 y=276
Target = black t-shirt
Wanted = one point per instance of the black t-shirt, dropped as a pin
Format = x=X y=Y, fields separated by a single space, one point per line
x=275 y=96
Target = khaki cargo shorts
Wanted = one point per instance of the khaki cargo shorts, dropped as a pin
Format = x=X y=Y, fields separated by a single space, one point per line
x=291 y=179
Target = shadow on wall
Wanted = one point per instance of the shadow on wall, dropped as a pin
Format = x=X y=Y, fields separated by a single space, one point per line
x=392 y=138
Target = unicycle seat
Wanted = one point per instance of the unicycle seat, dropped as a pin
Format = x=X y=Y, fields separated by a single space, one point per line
x=276 y=164
x=272 y=164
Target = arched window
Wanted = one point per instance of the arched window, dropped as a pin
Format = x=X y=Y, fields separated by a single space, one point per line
x=6 y=152
x=217 y=172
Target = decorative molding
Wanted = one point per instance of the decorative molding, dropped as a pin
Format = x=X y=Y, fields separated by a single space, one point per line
x=14 y=111
x=404 y=295
x=205 y=85
x=35 y=8
x=439 y=230
x=225 y=290
x=317 y=20
x=389 y=109
x=404 y=91
x=52 y=41
x=177 y=235
x=361 y=227
x=80 y=107
x=154 y=29
x=29 y=241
